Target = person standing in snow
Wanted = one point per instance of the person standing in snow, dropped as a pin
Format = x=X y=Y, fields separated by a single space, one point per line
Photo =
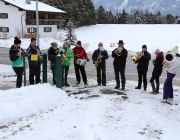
x=142 y=67
x=33 y=53
x=120 y=54
x=68 y=53
x=168 y=87
x=52 y=53
x=158 y=68
x=79 y=52
x=15 y=54
x=101 y=54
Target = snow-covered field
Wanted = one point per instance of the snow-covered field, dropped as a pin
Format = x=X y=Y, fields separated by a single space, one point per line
x=42 y=112
x=163 y=37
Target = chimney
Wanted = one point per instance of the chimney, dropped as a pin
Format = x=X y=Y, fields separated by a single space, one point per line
x=28 y=1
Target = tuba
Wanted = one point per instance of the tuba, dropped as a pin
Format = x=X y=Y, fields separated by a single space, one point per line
x=136 y=58
x=98 y=60
x=169 y=57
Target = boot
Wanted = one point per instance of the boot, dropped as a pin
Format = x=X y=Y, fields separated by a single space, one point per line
x=117 y=86
x=123 y=87
x=145 y=86
x=153 y=88
x=157 y=88
x=67 y=85
x=139 y=86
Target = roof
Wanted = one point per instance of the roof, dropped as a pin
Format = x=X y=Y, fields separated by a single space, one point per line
x=42 y=7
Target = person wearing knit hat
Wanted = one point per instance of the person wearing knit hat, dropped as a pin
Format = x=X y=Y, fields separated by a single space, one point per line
x=142 y=67
x=16 y=58
x=157 y=71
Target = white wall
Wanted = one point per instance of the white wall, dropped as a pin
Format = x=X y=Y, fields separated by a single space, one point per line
x=14 y=19
x=52 y=34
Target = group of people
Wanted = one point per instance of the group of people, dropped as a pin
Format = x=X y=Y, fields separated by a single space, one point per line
x=99 y=57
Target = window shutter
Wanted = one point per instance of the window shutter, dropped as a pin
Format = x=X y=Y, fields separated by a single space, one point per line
x=8 y=29
x=0 y=29
x=50 y=30
x=28 y=30
x=7 y=15
x=0 y=15
x=35 y=30
x=44 y=29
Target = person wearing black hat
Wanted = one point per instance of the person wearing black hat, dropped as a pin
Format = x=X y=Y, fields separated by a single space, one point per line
x=120 y=54
x=34 y=60
x=142 y=67
x=100 y=64
x=15 y=54
x=80 y=53
x=52 y=53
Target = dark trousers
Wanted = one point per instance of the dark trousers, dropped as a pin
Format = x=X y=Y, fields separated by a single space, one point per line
x=142 y=74
x=54 y=75
x=154 y=78
x=168 y=87
x=34 y=71
x=121 y=70
x=65 y=70
x=83 y=73
x=101 y=74
x=19 y=73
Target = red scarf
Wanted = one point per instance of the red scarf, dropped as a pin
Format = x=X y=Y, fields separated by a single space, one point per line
x=159 y=55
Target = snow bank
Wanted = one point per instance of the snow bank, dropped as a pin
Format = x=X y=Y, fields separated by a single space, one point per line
x=18 y=103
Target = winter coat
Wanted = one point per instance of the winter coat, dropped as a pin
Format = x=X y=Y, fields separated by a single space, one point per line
x=103 y=59
x=17 y=61
x=143 y=62
x=69 y=53
x=30 y=51
x=158 y=66
x=174 y=66
x=79 y=53
x=120 y=60
x=52 y=57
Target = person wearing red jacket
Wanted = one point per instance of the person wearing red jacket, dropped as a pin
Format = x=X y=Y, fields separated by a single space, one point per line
x=79 y=52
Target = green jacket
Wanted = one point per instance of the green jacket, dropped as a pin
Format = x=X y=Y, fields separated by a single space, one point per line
x=70 y=54
x=18 y=62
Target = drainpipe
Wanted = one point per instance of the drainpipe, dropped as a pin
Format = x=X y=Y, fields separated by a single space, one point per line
x=22 y=24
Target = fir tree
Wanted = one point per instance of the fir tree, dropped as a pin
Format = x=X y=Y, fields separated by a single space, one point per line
x=101 y=15
x=71 y=36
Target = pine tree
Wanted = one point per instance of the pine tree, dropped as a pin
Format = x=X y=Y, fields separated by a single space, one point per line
x=123 y=17
x=71 y=36
x=101 y=15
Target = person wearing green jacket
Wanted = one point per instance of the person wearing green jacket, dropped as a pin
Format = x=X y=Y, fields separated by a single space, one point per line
x=66 y=51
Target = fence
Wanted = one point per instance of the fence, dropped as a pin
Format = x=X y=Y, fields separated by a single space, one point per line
x=8 y=76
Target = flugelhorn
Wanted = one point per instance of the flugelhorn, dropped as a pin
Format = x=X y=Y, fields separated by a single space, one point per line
x=136 y=58
x=118 y=51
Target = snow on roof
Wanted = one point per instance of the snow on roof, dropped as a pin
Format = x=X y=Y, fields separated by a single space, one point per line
x=32 y=7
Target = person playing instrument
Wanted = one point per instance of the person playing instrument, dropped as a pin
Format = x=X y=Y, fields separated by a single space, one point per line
x=15 y=54
x=80 y=53
x=67 y=51
x=142 y=67
x=158 y=67
x=33 y=53
x=99 y=59
x=168 y=87
x=120 y=54
x=52 y=53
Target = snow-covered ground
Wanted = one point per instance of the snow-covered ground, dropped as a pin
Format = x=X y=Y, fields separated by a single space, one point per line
x=46 y=113
x=163 y=37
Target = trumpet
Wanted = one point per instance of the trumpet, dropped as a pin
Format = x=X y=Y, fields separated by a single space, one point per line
x=136 y=58
x=118 y=52
x=98 y=60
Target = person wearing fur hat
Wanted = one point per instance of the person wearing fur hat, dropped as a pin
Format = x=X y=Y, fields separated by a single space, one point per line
x=101 y=54
x=142 y=67
x=15 y=54
x=79 y=52
x=67 y=51
x=157 y=71
x=52 y=53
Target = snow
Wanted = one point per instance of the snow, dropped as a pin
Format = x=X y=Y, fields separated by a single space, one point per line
x=42 y=7
x=48 y=113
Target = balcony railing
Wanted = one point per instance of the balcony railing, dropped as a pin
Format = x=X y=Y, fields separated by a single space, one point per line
x=44 y=21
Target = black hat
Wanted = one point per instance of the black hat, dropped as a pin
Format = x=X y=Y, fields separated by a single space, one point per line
x=79 y=42
x=17 y=40
x=144 y=46
x=120 y=42
x=54 y=44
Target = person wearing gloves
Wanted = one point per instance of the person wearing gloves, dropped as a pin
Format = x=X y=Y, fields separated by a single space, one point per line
x=157 y=71
x=79 y=52
x=15 y=54
x=99 y=59
x=68 y=53
x=52 y=53
x=168 y=87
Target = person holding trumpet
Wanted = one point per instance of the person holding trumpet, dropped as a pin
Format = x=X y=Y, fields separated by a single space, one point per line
x=120 y=54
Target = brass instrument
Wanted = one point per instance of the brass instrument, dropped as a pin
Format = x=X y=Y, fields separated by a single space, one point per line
x=136 y=58
x=64 y=57
x=98 y=60
x=169 y=57
x=118 y=52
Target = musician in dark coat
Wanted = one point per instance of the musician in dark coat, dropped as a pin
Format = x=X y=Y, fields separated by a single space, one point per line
x=99 y=59
x=158 y=68
x=142 y=67
x=120 y=54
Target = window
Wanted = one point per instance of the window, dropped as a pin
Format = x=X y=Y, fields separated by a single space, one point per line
x=31 y=30
x=3 y=15
x=47 y=29
x=46 y=17
x=4 y=29
x=32 y=16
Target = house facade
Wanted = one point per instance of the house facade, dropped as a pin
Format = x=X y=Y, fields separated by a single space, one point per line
x=18 y=18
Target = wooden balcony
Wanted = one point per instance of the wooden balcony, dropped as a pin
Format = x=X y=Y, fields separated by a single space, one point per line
x=44 y=21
